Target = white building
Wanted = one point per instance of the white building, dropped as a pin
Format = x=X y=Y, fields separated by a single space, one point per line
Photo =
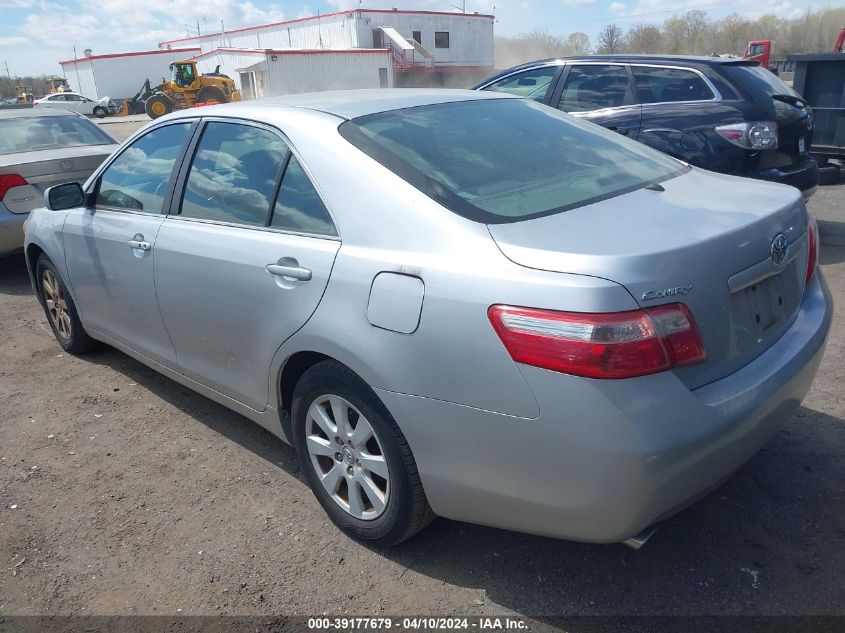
x=121 y=75
x=360 y=48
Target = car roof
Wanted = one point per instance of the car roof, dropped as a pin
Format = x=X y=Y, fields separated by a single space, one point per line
x=23 y=113
x=678 y=60
x=350 y=104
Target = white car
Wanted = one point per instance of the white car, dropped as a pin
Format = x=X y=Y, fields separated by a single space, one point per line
x=75 y=102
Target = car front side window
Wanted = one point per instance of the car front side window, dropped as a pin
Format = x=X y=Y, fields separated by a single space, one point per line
x=531 y=84
x=234 y=174
x=137 y=180
x=595 y=87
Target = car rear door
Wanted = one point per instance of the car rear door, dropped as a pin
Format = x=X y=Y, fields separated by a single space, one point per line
x=601 y=93
x=243 y=258
x=110 y=247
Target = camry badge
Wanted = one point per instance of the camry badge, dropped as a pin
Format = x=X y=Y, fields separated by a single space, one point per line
x=649 y=295
x=66 y=165
x=779 y=248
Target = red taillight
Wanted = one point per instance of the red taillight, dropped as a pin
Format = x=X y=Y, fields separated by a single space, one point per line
x=612 y=345
x=7 y=181
x=813 y=239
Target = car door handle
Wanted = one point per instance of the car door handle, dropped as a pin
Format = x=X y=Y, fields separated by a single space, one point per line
x=288 y=267
x=140 y=244
x=619 y=130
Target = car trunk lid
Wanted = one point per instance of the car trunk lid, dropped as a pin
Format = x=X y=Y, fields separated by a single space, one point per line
x=705 y=241
x=44 y=168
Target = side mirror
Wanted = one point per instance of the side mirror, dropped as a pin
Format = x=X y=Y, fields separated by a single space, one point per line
x=64 y=196
x=527 y=81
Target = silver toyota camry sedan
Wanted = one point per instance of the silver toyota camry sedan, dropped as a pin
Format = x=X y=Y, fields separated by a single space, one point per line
x=451 y=303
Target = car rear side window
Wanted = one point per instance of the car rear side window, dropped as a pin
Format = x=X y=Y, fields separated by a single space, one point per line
x=234 y=173
x=298 y=206
x=138 y=179
x=663 y=85
x=505 y=159
x=531 y=84
x=594 y=87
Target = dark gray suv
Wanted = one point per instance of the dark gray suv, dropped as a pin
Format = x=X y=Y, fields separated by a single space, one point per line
x=727 y=115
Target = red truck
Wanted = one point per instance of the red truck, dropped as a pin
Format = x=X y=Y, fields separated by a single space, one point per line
x=761 y=50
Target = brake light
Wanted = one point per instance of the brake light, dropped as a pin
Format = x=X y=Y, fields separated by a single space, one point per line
x=605 y=345
x=813 y=239
x=751 y=135
x=7 y=181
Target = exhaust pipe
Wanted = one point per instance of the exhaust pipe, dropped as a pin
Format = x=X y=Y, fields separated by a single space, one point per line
x=638 y=540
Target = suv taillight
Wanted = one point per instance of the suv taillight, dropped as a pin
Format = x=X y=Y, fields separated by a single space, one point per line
x=751 y=134
x=813 y=240
x=600 y=345
x=7 y=181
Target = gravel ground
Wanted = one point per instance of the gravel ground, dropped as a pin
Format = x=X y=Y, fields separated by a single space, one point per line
x=122 y=492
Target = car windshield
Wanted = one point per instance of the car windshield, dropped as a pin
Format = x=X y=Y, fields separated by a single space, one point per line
x=27 y=134
x=504 y=160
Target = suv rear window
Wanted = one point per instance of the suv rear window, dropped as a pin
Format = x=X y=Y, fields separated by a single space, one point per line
x=505 y=160
x=756 y=77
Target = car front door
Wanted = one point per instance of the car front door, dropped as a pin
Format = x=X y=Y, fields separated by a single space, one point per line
x=602 y=94
x=110 y=247
x=75 y=103
x=243 y=259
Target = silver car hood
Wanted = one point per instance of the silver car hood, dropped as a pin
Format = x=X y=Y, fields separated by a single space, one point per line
x=696 y=242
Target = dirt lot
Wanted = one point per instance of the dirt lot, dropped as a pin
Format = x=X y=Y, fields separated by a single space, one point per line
x=123 y=493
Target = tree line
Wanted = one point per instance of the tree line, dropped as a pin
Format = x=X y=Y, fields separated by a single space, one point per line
x=693 y=33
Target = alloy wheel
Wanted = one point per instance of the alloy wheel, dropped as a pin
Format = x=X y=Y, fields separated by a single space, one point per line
x=54 y=296
x=347 y=457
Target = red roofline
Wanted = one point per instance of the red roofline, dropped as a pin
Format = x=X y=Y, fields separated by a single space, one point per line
x=135 y=54
x=327 y=51
x=293 y=51
x=325 y=15
x=260 y=51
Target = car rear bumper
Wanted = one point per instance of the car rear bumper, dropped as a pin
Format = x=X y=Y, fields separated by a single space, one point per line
x=11 y=231
x=607 y=458
x=803 y=176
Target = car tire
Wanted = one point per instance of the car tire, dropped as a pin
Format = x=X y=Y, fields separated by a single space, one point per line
x=60 y=309
x=383 y=520
x=830 y=174
x=100 y=112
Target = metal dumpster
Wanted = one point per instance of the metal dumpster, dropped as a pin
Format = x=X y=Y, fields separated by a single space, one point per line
x=820 y=79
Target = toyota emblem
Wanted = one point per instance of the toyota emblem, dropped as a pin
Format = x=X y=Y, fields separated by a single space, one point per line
x=779 y=248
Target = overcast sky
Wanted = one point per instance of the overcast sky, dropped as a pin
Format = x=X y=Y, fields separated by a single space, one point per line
x=36 y=34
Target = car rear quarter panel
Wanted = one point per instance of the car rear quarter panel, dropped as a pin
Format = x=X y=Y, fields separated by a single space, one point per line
x=686 y=131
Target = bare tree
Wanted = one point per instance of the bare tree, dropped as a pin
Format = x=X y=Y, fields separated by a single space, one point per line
x=644 y=38
x=576 y=44
x=611 y=40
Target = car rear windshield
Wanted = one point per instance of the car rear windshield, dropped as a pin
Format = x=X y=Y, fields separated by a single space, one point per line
x=758 y=78
x=29 y=134
x=505 y=160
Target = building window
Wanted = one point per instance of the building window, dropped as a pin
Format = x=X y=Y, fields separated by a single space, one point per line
x=441 y=39
x=378 y=39
x=417 y=36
